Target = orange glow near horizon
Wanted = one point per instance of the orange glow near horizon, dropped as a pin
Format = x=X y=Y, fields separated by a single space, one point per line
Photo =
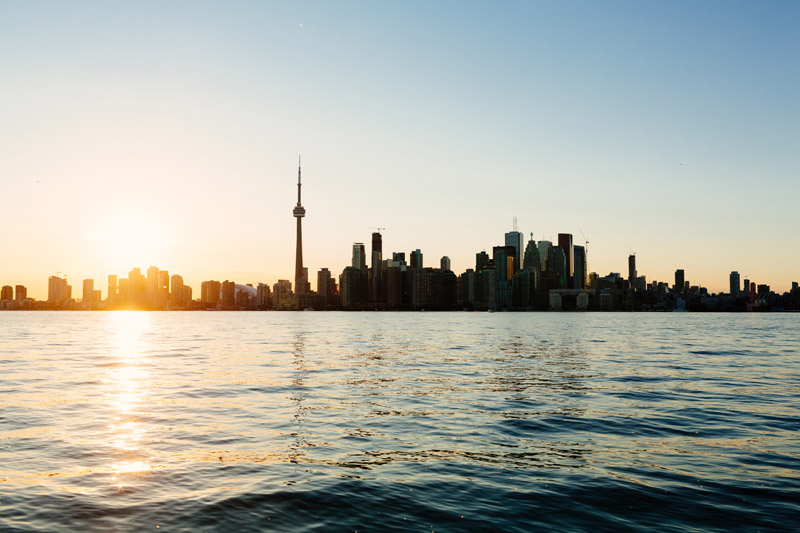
x=124 y=239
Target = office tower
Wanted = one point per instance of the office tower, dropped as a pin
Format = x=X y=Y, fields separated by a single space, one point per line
x=21 y=293
x=579 y=278
x=58 y=291
x=736 y=284
x=228 y=297
x=503 y=258
x=299 y=212
x=400 y=257
x=375 y=268
x=359 y=256
x=531 y=259
x=631 y=269
x=416 y=259
x=514 y=238
x=679 y=281
x=445 y=263
x=481 y=261
x=544 y=253
x=325 y=286
x=354 y=287
x=88 y=290
x=112 y=288
x=558 y=263
x=7 y=293
x=565 y=243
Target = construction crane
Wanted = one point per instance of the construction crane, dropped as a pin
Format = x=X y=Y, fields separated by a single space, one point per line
x=377 y=228
x=585 y=240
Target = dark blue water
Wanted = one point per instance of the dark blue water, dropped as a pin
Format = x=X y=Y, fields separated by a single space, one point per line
x=399 y=421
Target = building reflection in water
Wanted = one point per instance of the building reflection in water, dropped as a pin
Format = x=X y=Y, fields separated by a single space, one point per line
x=126 y=386
x=298 y=397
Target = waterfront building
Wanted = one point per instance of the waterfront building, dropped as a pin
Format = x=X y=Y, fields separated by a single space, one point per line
x=445 y=263
x=7 y=293
x=112 y=289
x=354 y=287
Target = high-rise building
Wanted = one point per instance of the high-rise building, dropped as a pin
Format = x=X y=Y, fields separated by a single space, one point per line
x=263 y=296
x=544 y=254
x=375 y=268
x=679 y=280
x=7 y=293
x=558 y=263
x=579 y=277
x=565 y=243
x=210 y=292
x=325 y=286
x=228 y=297
x=531 y=260
x=281 y=291
x=514 y=238
x=445 y=263
x=21 y=293
x=58 y=291
x=416 y=259
x=631 y=269
x=112 y=288
x=481 y=261
x=359 y=256
x=300 y=283
x=736 y=284
x=88 y=290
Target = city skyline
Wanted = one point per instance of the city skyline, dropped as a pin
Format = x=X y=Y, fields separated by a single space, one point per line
x=668 y=130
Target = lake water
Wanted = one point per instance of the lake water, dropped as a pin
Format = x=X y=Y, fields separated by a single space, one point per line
x=204 y=421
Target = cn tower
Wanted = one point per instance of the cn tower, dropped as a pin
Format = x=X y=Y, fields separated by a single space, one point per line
x=299 y=212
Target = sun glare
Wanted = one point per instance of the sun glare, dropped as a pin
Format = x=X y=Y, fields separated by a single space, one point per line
x=130 y=239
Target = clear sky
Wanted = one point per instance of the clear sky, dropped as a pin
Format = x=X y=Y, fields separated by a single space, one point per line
x=167 y=133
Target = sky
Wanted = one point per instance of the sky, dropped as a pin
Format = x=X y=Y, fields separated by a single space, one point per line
x=167 y=133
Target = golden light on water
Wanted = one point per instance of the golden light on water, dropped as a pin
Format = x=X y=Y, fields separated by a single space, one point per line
x=127 y=381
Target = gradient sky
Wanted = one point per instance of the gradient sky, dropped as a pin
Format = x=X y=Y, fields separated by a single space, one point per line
x=167 y=133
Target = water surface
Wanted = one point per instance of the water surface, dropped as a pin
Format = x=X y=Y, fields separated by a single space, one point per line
x=207 y=421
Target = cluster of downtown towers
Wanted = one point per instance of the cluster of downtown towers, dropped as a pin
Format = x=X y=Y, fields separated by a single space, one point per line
x=517 y=275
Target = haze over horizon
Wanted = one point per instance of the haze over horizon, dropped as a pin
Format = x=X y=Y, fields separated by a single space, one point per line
x=167 y=134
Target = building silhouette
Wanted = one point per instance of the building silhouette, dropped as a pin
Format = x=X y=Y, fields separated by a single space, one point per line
x=300 y=277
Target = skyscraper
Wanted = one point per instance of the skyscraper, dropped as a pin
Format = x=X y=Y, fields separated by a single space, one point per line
x=736 y=284
x=359 y=256
x=679 y=280
x=579 y=278
x=565 y=243
x=514 y=238
x=375 y=267
x=631 y=269
x=445 y=263
x=300 y=283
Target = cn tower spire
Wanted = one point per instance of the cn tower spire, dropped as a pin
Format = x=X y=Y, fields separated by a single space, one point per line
x=300 y=281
